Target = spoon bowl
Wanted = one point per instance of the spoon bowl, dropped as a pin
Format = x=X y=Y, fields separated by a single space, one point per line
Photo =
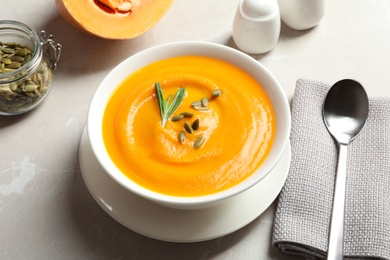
x=345 y=112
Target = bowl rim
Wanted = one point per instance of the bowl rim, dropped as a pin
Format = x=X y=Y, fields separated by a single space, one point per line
x=182 y=48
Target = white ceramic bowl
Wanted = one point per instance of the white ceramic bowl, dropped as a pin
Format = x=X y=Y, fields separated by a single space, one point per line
x=143 y=58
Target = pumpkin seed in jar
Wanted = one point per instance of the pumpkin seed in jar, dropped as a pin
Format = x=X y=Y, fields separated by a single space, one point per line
x=8 y=50
x=24 y=92
x=23 y=52
x=13 y=86
x=29 y=88
x=14 y=65
x=6 y=61
x=17 y=58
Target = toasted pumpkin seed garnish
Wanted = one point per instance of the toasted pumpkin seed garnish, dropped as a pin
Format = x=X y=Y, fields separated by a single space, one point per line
x=200 y=105
x=195 y=124
x=177 y=118
x=201 y=108
x=217 y=93
x=198 y=142
x=187 y=127
x=181 y=137
x=205 y=101
x=187 y=114
x=196 y=104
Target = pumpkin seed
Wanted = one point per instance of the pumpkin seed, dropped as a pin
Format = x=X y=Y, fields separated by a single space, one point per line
x=39 y=79
x=177 y=118
x=195 y=124
x=201 y=108
x=182 y=137
x=198 y=142
x=14 y=65
x=22 y=52
x=205 y=101
x=8 y=50
x=6 y=61
x=25 y=92
x=217 y=93
x=187 y=114
x=12 y=44
x=5 y=90
x=196 y=104
x=17 y=58
x=187 y=127
x=13 y=86
x=6 y=70
x=37 y=93
x=30 y=88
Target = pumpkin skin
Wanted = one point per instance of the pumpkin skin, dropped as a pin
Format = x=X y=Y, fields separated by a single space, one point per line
x=96 y=18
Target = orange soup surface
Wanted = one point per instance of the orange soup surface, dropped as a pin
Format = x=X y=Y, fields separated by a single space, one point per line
x=238 y=127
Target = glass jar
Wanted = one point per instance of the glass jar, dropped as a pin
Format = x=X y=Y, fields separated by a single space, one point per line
x=27 y=61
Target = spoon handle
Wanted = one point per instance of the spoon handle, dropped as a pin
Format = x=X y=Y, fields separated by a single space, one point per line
x=336 y=235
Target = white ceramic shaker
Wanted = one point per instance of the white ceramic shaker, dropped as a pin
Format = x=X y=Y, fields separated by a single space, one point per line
x=301 y=14
x=256 y=26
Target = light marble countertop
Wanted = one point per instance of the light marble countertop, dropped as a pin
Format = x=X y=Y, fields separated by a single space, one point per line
x=46 y=211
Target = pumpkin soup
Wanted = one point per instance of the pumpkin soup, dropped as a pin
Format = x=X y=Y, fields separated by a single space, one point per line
x=220 y=129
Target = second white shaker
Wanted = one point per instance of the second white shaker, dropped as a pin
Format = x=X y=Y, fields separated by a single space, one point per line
x=301 y=14
x=256 y=26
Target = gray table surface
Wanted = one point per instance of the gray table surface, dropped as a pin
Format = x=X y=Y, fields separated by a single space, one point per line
x=46 y=211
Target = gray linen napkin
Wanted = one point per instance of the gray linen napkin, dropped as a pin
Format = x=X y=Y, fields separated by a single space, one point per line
x=304 y=208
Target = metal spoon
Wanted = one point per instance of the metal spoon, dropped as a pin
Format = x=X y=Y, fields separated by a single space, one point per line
x=345 y=112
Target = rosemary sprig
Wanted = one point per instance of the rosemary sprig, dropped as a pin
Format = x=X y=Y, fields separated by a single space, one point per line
x=168 y=107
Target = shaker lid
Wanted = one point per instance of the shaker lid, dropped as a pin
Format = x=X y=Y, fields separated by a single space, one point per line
x=254 y=9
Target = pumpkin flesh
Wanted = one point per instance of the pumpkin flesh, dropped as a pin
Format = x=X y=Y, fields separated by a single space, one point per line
x=103 y=18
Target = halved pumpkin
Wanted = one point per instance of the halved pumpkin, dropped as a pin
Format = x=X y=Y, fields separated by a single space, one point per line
x=113 y=19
